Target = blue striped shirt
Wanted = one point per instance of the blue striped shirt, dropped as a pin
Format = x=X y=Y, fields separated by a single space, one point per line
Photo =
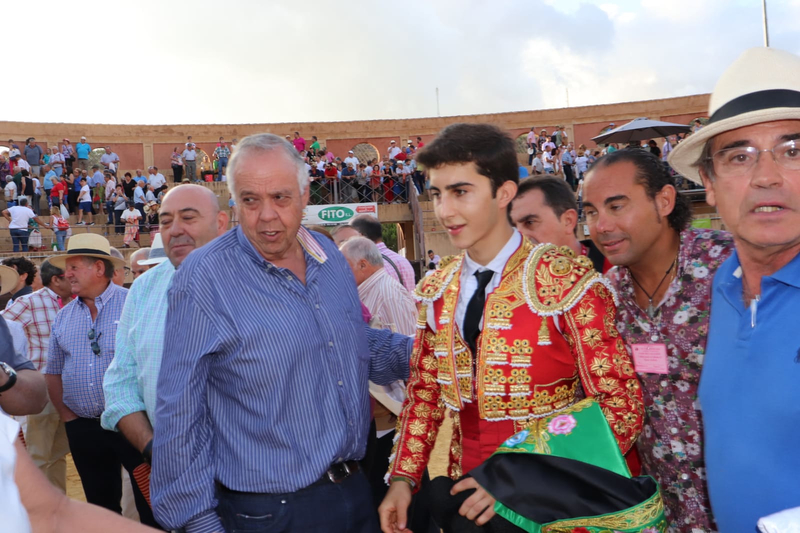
x=264 y=382
x=71 y=353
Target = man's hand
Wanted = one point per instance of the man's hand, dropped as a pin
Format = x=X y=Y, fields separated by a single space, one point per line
x=393 y=511
x=479 y=507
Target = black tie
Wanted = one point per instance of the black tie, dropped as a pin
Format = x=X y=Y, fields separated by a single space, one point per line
x=472 y=319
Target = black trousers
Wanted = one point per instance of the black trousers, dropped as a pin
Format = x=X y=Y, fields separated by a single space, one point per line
x=98 y=455
x=177 y=173
x=569 y=176
x=344 y=507
x=444 y=509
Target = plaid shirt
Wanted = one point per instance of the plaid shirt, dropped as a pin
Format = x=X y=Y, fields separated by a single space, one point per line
x=222 y=151
x=71 y=354
x=36 y=313
x=402 y=264
x=130 y=381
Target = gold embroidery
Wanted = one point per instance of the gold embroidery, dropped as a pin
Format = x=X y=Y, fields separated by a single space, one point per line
x=544 y=333
x=639 y=517
x=422 y=410
x=427 y=378
x=592 y=337
x=555 y=282
x=600 y=366
x=417 y=428
x=415 y=445
x=409 y=465
x=585 y=314
x=429 y=363
x=425 y=395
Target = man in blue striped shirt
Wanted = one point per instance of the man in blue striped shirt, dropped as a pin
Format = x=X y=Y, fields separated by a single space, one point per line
x=263 y=405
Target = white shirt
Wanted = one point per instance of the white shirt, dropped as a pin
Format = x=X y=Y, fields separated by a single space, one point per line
x=20 y=216
x=15 y=518
x=17 y=335
x=548 y=161
x=156 y=180
x=37 y=186
x=24 y=164
x=469 y=283
x=111 y=186
x=128 y=214
x=189 y=155
x=393 y=151
x=85 y=195
x=352 y=159
x=11 y=191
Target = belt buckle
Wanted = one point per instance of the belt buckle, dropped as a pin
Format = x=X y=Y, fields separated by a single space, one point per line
x=332 y=475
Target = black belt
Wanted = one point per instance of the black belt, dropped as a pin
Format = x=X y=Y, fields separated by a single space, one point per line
x=336 y=474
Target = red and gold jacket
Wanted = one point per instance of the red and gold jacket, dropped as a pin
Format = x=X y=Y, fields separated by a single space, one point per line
x=548 y=327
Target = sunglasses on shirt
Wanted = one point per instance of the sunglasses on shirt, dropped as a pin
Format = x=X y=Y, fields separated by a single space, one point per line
x=94 y=337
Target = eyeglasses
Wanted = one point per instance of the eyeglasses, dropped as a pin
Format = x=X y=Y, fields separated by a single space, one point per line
x=740 y=160
x=94 y=338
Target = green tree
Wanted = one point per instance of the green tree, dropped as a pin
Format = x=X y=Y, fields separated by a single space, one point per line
x=390 y=235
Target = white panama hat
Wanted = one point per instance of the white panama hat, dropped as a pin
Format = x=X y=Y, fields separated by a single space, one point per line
x=762 y=85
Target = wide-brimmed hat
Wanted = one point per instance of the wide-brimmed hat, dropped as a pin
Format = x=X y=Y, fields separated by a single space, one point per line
x=762 y=85
x=8 y=279
x=86 y=245
x=157 y=253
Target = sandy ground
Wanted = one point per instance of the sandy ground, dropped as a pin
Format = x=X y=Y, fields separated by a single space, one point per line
x=437 y=466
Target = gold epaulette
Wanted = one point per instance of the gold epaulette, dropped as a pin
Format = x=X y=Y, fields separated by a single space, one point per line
x=555 y=279
x=430 y=288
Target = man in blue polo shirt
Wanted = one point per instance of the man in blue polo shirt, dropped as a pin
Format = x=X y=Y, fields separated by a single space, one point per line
x=747 y=158
x=82 y=149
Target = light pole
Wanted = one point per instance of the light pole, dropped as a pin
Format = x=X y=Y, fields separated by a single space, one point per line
x=766 y=29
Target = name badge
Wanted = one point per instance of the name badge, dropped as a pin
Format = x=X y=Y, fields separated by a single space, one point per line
x=650 y=358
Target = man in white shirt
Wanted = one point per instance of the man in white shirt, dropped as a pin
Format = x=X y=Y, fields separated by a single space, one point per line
x=156 y=179
x=351 y=159
x=190 y=162
x=22 y=164
x=18 y=217
x=85 y=203
x=10 y=192
x=393 y=150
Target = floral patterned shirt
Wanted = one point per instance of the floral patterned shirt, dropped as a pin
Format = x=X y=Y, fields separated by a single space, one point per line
x=671 y=445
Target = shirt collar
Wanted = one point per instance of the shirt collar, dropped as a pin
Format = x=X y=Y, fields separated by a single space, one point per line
x=304 y=237
x=104 y=297
x=788 y=275
x=498 y=264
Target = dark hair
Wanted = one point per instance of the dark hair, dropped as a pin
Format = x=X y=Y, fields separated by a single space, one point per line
x=431 y=266
x=49 y=271
x=430 y=251
x=492 y=150
x=22 y=265
x=128 y=174
x=368 y=226
x=108 y=266
x=23 y=201
x=653 y=175
x=558 y=195
x=83 y=179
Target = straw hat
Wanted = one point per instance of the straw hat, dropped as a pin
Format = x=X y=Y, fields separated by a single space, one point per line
x=763 y=85
x=86 y=245
x=8 y=279
x=157 y=253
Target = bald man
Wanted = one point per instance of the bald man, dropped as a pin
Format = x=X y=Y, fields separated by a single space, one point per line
x=137 y=268
x=189 y=218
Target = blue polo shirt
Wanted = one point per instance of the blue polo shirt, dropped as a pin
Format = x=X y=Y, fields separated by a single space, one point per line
x=750 y=398
x=48 y=183
x=83 y=150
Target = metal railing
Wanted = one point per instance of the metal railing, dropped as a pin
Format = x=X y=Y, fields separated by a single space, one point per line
x=359 y=190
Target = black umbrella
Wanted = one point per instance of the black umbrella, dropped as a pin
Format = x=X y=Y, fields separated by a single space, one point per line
x=641 y=129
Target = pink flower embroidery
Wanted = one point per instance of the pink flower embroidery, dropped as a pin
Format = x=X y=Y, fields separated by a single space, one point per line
x=562 y=425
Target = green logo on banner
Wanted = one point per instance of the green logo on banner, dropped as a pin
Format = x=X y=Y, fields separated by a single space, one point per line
x=336 y=214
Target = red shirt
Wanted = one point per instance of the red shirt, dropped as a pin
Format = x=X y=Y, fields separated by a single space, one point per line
x=60 y=186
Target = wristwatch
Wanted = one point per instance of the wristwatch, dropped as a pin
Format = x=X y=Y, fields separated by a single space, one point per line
x=12 y=376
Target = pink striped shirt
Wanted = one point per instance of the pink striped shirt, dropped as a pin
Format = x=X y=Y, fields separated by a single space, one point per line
x=403 y=265
x=36 y=313
x=389 y=302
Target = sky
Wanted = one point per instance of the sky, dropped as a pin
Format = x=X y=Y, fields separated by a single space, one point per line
x=270 y=61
